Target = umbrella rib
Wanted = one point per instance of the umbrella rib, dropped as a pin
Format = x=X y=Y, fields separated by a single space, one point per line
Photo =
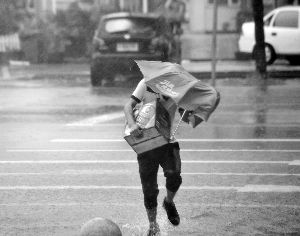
x=174 y=132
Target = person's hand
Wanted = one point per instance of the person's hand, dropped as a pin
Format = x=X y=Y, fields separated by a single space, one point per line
x=135 y=130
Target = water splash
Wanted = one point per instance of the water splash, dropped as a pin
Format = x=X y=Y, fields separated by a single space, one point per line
x=140 y=228
x=134 y=230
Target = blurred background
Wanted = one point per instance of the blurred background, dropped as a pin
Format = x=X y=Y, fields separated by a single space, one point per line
x=53 y=31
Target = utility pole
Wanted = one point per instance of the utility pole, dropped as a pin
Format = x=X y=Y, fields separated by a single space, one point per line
x=259 y=49
x=214 y=44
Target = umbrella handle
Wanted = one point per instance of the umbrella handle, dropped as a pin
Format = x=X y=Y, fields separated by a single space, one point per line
x=174 y=132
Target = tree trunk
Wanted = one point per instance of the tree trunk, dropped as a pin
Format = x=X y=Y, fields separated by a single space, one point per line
x=259 y=50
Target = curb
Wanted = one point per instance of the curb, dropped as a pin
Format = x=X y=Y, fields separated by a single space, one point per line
x=243 y=74
x=200 y=75
x=197 y=70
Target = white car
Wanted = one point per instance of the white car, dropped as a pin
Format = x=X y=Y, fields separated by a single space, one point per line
x=282 y=35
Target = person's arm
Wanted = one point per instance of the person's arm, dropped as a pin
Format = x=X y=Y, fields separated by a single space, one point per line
x=128 y=110
x=135 y=98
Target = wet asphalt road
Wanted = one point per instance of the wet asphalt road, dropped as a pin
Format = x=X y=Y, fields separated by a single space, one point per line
x=63 y=161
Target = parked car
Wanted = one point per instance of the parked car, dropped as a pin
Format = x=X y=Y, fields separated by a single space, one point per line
x=282 y=35
x=122 y=38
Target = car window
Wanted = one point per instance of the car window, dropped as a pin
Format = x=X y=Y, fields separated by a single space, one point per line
x=288 y=19
x=133 y=25
x=268 y=20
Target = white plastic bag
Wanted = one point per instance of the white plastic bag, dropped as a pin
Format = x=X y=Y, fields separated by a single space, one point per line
x=145 y=116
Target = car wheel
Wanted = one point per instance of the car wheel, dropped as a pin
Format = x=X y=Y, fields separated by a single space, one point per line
x=95 y=75
x=294 y=61
x=270 y=54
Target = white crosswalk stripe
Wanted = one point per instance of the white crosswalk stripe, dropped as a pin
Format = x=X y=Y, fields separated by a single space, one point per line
x=36 y=162
x=246 y=188
x=181 y=150
x=179 y=140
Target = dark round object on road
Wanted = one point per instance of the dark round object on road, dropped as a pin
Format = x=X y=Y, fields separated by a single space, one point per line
x=100 y=227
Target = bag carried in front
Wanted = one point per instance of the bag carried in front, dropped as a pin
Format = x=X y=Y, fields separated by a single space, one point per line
x=155 y=122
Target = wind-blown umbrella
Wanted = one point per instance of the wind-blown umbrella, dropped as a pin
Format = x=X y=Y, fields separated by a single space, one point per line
x=189 y=93
x=168 y=79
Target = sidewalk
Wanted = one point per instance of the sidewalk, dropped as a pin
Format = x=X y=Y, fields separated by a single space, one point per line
x=239 y=69
x=200 y=69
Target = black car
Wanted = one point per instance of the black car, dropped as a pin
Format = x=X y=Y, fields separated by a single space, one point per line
x=122 y=38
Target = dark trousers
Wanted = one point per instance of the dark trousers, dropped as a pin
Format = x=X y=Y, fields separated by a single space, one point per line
x=168 y=158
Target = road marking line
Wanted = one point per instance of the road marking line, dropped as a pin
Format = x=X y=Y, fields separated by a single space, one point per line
x=205 y=125
x=78 y=172
x=65 y=187
x=269 y=188
x=241 y=150
x=240 y=205
x=240 y=140
x=135 y=161
x=240 y=189
x=70 y=150
x=239 y=174
x=180 y=140
x=68 y=162
x=110 y=187
x=74 y=204
x=97 y=119
x=181 y=150
x=295 y=163
x=112 y=116
x=211 y=124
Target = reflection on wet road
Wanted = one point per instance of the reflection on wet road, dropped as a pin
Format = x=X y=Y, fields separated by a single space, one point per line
x=63 y=161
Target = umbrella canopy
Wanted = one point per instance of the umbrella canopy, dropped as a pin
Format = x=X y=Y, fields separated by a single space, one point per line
x=201 y=100
x=168 y=79
x=189 y=93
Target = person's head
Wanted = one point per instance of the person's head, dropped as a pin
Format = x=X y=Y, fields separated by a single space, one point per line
x=100 y=227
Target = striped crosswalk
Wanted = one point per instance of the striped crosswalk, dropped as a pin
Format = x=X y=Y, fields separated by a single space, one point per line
x=73 y=174
x=127 y=166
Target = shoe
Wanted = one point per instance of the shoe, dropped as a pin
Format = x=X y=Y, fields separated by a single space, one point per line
x=171 y=212
x=153 y=230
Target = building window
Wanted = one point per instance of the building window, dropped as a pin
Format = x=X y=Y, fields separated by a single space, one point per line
x=267 y=21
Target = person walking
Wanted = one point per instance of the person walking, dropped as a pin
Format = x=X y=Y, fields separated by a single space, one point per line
x=166 y=156
x=170 y=86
